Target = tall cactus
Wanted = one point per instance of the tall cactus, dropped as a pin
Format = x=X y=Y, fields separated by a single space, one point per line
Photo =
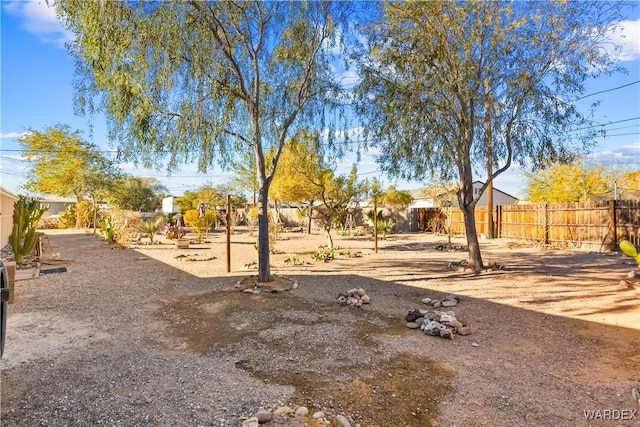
x=26 y=215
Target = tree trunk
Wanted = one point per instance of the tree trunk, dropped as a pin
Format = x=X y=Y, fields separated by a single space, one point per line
x=264 y=270
x=475 y=258
x=310 y=218
x=327 y=235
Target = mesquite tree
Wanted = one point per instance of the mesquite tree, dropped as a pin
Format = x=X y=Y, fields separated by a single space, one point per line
x=450 y=87
x=206 y=81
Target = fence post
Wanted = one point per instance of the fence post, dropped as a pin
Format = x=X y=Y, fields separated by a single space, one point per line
x=613 y=226
x=545 y=229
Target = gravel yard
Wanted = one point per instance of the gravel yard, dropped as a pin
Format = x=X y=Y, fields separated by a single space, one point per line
x=153 y=335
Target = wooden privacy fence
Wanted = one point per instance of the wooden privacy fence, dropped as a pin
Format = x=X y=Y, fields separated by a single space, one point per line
x=592 y=225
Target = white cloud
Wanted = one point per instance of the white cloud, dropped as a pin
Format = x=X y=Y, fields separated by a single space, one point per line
x=39 y=19
x=626 y=154
x=628 y=38
x=13 y=135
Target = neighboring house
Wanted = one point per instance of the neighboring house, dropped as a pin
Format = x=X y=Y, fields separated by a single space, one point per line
x=57 y=205
x=499 y=198
x=7 y=200
x=169 y=206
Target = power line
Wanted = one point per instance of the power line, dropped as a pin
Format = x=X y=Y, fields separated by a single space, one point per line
x=608 y=90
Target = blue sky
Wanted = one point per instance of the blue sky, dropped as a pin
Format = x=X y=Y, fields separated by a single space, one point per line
x=36 y=92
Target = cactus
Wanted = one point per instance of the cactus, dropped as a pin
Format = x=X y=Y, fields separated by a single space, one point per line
x=629 y=249
x=26 y=215
x=108 y=229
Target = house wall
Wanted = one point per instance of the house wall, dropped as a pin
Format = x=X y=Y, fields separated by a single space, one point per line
x=7 y=200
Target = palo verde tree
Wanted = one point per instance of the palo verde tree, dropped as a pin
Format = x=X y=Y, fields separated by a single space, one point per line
x=301 y=175
x=450 y=87
x=65 y=165
x=206 y=81
x=568 y=183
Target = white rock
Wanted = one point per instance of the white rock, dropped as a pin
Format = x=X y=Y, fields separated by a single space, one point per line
x=301 y=411
x=342 y=421
x=318 y=415
x=449 y=303
x=251 y=422
x=427 y=301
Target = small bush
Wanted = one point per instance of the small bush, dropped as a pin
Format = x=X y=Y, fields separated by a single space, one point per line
x=200 y=224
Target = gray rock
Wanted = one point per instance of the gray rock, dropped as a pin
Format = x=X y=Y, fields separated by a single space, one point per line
x=455 y=323
x=449 y=303
x=302 y=411
x=437 y=304
x=419 y=321
x=342 y=421
x=427 y=301
x=318 y=415
x=263 y=416
x=366 y=299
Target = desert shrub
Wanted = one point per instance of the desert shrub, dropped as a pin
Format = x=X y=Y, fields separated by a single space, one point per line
x=68 y=218
x=200 y=225
x=151 y=227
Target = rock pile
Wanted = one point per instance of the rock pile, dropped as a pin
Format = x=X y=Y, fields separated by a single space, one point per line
x=436 y=322
x=265 y=416
x=354 y=298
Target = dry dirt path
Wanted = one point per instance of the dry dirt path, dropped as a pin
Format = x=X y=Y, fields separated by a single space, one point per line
x=140 y=336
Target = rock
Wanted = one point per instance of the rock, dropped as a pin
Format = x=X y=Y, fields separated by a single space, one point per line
x=437 y=304
x=426 y=300
x=419 y=321
x=366 y=299
x=248 y=290
x=342 y=421
x=449 y=303
x=455 y=298
x=413 y=315
x=318 y=415
x=413 y=325
x=283 y=410
x=447 y=333
x=446 y=318
x=263 y=416
x=251 y=422
x=475 y=344
x=361 y=292
x=632 y=274
x=455 y=323
x=635 y=393
x=464 y=330
x=301 y=411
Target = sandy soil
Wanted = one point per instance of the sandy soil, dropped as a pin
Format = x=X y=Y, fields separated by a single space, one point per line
x=555 y=333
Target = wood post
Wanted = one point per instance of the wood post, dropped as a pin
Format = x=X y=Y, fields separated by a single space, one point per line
x=613 y=226
x=228 y=233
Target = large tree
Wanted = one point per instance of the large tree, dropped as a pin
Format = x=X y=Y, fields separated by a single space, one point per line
x=439 y=76
x=184 y=81
x=65 y=165
x=136 y=193
x=301 y=175
x=568 y=183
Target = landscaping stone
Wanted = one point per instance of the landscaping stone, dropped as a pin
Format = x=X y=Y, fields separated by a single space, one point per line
x=354 y=298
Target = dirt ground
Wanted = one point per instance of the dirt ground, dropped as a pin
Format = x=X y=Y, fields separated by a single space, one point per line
x=555 y=332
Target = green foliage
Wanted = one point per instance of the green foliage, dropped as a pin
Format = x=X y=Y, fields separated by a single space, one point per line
x=448 y=87
x=23 y=238
x=109 y=229
x=85 y=214
x=325 y=254
x=151 y=227
x=200 y=225
x=630 y=250
x=136 y=194
x=206 y=82
x=65 y=165
x=68 y=217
